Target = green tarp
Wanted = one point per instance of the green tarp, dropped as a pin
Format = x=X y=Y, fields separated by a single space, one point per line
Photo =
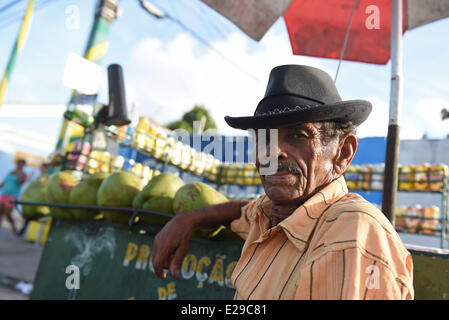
x=104 y=260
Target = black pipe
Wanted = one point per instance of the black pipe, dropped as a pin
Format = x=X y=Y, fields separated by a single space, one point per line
x=391 y=173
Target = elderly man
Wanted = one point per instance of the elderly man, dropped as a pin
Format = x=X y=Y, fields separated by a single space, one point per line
x=306 y=237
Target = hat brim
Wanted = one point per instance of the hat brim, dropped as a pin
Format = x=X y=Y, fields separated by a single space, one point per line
x=356 y=111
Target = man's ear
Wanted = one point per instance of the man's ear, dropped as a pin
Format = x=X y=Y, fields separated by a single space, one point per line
x=345 y=152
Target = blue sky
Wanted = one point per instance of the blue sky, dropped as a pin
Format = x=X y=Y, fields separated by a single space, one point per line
x=167 y=70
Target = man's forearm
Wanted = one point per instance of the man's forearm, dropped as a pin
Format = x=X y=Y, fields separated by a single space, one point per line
x=172 y=242
x=220 y=214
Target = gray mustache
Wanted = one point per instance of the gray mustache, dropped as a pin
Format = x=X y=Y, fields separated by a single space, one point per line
x=289 y=167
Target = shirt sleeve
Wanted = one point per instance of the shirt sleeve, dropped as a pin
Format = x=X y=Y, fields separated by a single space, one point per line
x=351 y=274
x=241 y=225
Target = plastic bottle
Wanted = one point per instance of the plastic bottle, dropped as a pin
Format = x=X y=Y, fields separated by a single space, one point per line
x=400 y=213
x=413 y=217
x=160 y=147
x=117 y=163
x=406 y=177
x=248 y=174
x=367 y=172
x=232 y=173
x=175 y=155
x=437 y=174
x=121 y=132
x=139 y=140
x=138 y=170
x=143 y=125
x=239 y=174
x=430 y=221
x=352 y=177
x=200 y=162
x=147 y=175
x=421 y=177
x=377 y=178
x=215 y=164
x=185 y=156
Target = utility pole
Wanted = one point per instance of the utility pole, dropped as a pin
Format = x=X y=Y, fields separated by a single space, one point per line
x=105 y=13
x=18 y=46
x=392 y=150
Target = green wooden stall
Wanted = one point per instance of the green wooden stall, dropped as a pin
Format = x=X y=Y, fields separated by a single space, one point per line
x=114 y=262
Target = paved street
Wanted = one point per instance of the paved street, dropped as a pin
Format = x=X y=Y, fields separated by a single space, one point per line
x=19 y=261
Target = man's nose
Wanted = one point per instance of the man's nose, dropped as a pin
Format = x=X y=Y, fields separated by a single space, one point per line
x=278 y=149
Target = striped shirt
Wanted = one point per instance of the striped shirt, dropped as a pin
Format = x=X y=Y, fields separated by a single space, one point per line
x=334 y=246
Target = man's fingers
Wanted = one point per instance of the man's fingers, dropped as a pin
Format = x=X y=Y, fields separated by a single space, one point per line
x=159 y=268
x=176 y=261
x=159 y=262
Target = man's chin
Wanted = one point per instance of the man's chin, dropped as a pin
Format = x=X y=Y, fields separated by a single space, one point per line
x=282 y=179
x=282 y=193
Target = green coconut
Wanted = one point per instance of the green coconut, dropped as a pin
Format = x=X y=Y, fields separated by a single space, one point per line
x=58 y=191
x=196 y=196
x=158 y=195
x=85 y=193
x=118 y=190
x=35 y=192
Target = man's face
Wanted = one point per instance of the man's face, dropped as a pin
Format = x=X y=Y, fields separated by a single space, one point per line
x=304 y=164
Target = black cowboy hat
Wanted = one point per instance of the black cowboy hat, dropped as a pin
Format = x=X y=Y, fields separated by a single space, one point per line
x=297 y=93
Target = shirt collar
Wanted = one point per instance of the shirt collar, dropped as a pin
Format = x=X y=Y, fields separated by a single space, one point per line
x=299 y=225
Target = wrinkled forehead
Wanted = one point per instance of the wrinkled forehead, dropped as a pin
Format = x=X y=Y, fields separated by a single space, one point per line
x=301 y=126
x=307 y=126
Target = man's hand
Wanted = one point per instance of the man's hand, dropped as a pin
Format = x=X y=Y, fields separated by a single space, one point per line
x=172 y=242
x=171 y=245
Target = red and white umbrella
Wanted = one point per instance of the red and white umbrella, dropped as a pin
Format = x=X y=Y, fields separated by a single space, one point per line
x=318 y=28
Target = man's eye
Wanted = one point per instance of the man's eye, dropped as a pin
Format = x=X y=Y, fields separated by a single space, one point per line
x=299 y=136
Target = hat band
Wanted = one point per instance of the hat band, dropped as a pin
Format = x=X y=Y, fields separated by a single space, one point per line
x=280 y=103
x=283 y=110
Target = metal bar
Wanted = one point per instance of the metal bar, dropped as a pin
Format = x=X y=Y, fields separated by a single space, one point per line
x=88 y=207
x=342 y=52
x=392 y=150
x=444 y=213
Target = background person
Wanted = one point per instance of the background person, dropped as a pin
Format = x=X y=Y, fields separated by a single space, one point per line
x=10 y=190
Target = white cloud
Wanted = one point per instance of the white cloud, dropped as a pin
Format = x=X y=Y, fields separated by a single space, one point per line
x=422 y=117
x=377 y=123
x=171 y=77
x=425 y=117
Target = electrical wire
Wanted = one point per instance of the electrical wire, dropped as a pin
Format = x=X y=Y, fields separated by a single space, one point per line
x=9 y=5
x=206 y=43
x=199 y=7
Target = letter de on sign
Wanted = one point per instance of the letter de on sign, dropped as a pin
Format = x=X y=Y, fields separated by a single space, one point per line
x=73 y=280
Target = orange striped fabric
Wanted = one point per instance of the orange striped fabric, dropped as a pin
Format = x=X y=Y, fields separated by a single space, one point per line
x=334 y=246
